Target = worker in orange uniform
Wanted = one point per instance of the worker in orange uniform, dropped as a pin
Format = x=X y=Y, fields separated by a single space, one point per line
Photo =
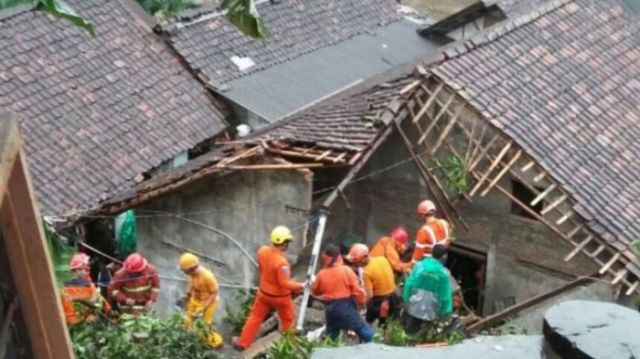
x=275 y=288
x=135 y=286
x=337 y=285
x=79 y=295
x=203 y=296
x=392 y=247
x=379 y=284
x=433 y=231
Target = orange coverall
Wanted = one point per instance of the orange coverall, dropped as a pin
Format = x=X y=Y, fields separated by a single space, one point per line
x=435 y=231
x=142 y=287
x=81 y=290
x=274 y=291
x=386 y=247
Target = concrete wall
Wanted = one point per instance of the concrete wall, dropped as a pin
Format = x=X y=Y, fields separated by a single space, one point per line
x=244 y=205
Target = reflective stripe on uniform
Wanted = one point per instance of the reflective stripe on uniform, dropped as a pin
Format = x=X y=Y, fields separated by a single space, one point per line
x=155 y=289
x=115 y=292
x=423 y=245
x=142 y=288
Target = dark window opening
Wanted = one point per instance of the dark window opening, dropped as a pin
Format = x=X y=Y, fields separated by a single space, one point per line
x=468 y=269
x=523 y=194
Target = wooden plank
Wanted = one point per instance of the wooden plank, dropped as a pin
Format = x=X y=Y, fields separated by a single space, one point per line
x=493 y=165
x=608 y=265
x=597 y=251
x=540 y=176
x=528 y=166
x=575 y=230
x=564 y=218
x=32 y=268
x=339 y=158
x=355 y=158
x=504 y=170
x=632 y=289
x=483 y=152
x=619 y=276
x=435 y=120
x=554 y=204
x=429 y=102
x=275 y=166
x=410 y=87
x=445 y=131
x=542 y=195
x=261 y=345
x=578 y=248
x=323 y=155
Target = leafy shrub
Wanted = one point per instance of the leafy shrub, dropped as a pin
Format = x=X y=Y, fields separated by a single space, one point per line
x=236 y=317
x=140 y=337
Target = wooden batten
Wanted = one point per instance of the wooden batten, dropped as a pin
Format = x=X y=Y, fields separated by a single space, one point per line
x=504 y=170
x=621 y=274
x=575 y=230
x=542 y=195
x=410 y=87
x=632 y=288
x=608 y=265
x=578 y=248
x=564 y=218
x=435 y=120
x=598 y=250
x=323 y=155
x=445 y=131
x=493 y=165
x=528 y=166
x=554 y=204
x=539 y=177
x=429 y=102
x=483 y=151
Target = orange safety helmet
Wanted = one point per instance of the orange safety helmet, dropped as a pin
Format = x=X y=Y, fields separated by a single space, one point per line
x=399 y=235
x=357 y=253
x=426 y=207
x=135 y=263
x=79 y=261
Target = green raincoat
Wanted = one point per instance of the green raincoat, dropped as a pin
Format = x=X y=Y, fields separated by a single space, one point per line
x=432 y=276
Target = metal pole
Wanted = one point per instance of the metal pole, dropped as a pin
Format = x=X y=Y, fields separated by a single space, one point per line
x=315 y=253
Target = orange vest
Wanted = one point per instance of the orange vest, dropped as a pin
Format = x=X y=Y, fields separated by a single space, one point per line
x=275 y=273
x=338 y=282
x=436 y=231
x=80 y=290
x=141 y=287
x=386 y=248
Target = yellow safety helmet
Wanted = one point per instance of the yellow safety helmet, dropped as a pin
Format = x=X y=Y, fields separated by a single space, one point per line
x=188 y=261
x=281 y=234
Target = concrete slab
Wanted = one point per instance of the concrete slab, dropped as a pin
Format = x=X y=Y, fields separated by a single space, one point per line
x=485 y=347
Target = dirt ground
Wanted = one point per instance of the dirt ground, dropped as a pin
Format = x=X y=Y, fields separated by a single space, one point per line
x=439 y=9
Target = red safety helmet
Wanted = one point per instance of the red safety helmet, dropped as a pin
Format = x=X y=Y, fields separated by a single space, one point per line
x=399 y=235
x=426 y=207
x=357 y=253
x=135 y=263
x=79 y=261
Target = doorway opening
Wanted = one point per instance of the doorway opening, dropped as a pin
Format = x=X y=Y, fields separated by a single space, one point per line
x=468 y=269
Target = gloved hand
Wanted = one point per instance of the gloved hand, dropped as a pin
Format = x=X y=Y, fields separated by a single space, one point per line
x=148 y=305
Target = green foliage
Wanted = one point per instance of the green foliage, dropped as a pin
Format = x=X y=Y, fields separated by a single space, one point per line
x=60 y=255
x=445 y=330
x=140 y=337
x=635 y=245
x=290 y=346
x=244 y=16
x=456 y=174
x=168 y=8
x=57 y=8
x=236 y=318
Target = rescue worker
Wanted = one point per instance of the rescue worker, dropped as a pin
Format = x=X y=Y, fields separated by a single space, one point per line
x=337 y=285
x=135 y=286
x=433 y=231
x=428 y=294
x=379 y=284
x=275 y=288
x=79 y=294
x=203 y=296
x=392 y=247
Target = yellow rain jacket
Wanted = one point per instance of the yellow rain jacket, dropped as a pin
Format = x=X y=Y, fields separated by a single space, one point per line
x=202 y=285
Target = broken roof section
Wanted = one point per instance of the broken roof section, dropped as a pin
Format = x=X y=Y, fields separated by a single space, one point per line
x=97 y=111
x=563 y=82
x=317 y=48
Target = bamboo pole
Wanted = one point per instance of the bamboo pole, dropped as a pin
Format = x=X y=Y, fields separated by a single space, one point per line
x=501 y=173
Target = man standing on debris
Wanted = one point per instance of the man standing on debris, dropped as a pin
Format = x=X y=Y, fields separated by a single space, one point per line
x=337 y=286
x=392 y=247
x=379 y=284
x=135 y=286
x=275 y=288
x=427 y=292
x=433 y=231
x=79 y=295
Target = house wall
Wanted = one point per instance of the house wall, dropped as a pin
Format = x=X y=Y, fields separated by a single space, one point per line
x=244 y=205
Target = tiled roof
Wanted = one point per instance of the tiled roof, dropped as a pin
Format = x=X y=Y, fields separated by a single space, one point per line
x=97 y=111
x=347 y=123
x=564 y=82
x=297 y=27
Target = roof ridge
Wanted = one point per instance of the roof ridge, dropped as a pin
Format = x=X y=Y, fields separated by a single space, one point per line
x=14 y=11
x=202 y=14
x=460 y=48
